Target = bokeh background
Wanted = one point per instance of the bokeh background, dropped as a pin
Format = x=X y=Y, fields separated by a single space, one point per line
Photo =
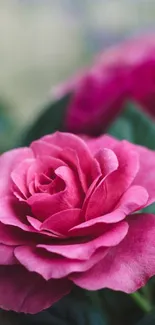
x=43 y=42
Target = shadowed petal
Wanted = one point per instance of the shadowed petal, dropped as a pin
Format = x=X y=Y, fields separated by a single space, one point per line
x=7 y=255
x=27 y=292
x=13 y=214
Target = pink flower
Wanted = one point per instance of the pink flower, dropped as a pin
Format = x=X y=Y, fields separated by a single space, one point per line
x=124 y=72
x=68 y=215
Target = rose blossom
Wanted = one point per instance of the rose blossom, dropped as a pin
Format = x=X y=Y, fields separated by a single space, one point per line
x=124 y=72
x=68 y=215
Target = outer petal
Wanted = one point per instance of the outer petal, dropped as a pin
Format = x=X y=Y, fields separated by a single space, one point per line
x=13 y=213
x=104 y=141
x=14 y=236
x=83 y=251
x=51 y=266
x=8 y=161
x=18 y=176
x=128 y=266
x=146 y=174
x=22 y=291
x=42 y=148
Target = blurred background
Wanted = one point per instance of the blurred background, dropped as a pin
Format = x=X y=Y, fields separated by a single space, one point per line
x=44 y=42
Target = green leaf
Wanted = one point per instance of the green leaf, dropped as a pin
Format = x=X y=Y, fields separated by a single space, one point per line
x=121 y=309
x=7 y=127
x=50 y=120
x=134 y=126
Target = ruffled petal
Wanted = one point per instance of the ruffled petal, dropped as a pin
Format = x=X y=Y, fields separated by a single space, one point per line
x=50 y=266
x=84 y=250
x=128 y=266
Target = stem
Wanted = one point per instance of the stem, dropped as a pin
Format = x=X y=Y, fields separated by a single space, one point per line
x=141 y=302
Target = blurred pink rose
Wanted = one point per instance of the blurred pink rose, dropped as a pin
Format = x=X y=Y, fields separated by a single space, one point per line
x=124 y=72
x=67 y=215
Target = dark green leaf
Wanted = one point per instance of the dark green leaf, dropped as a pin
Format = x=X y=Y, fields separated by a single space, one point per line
x=147 y=320
x=134 y=126
x=7 y=127
x=50 y=120
x=120 y=307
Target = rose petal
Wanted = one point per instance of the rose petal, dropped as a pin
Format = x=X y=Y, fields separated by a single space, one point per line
x=107 y=160
x=42 y=148
x=104 y=141
x=120 y=180
x=133 y=199
x=62 y=221
x=54 y=267
x=7 y=255
x=27 y=292
x=145 y=176
x=128 y=266
x=13 y=214
x=73 y=190
x=65 y=141
x=84 y=251
x=36 y=224
x=18 y=177
x=108 y=163
x=70 y=156
x=13 y=236
x=43 y=205
x=8 y=161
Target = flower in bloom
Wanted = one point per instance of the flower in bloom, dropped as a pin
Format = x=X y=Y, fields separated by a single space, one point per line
x=70 y=213
x=124 y=72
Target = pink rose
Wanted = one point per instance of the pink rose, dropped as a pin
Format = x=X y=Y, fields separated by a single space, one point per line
x=121 y=73
x=68 y=215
